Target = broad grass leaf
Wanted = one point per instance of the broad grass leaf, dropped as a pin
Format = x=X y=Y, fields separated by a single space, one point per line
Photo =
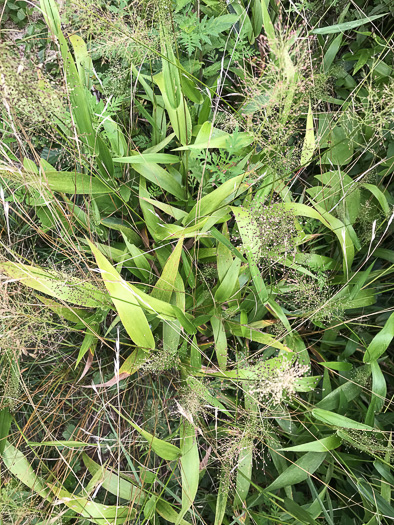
x=349 y=391
x=346 y=26
x=341 y=366
x=94 y=512
x=220 y=339
x=359 y=280
x=274 y=44
x=162 y=448
x=74 y=315
x=125 y=302
x=385 y=254
x=165 y=231
x=320 y=445
x=277 y=311
x=331 y=222
x=190 y=90
x=122 y=226
x=291 y=74
x=89 y=342
x=379 y=196
x=280 y=462
x=257 y=17
x=226 y=288
x=218 y=198
x=198 y=386
x=265 y=367
x=380 y=342
x=195 y=356
x=176 y=213
x=296 y=511
x=221 y=500
x=222 y=239
x=83 y=61
x=375 y=499
x=309 y=141
x=164 y=287
x=148 y=158
x=64 y=443
x=179 y=116
x=256 y=335
x=189 y=465
x=5 y=425
x=152 y=305
x=162 y=178
x=115 y=136
x=306 y=384
x=17 y=463
x=338 y=189
x=244 y=471
x=135 y=360
x=298 y=471
x=223 y=141
x=68 y=289
x=341 y=148
x=166 y=511
x=331 y=53
x=224 y=22
x=150 y=217
x=172 y=83
x=316 y=261
x=138 y=264
x=337 y=420
x=184 y=320
x=379 y=392
x=384 y=470
x=115 y=484
x=243 y=320
x=65 y=182
x=224 y=256
x=78 y=93
x=243 y=219
x=365 y=297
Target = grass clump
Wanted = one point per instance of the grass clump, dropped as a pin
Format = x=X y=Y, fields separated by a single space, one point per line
x=196 y=212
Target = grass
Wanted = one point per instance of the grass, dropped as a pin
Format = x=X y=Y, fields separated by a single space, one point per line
x=196 y=263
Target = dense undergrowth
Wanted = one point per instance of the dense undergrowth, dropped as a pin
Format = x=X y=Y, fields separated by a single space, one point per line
x=196 y=262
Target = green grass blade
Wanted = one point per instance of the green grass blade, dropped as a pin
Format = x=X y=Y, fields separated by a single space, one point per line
x=190 y=467
x=125 y=302
x=380 y=342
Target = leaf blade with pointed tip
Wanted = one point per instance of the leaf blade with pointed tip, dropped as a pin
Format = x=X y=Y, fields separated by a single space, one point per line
x=190 y=467
x=68 y=289
x=380 y=342
x=309 y=141
x=298 y=471
x=320 y=445
x=162 y=448
x=346 y=26
x=337 y=420
x=127 y=306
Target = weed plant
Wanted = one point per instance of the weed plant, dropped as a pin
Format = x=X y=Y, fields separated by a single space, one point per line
x=196 y=261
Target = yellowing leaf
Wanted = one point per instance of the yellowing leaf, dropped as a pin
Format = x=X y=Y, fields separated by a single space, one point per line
x=65 y=288
x=95 y=512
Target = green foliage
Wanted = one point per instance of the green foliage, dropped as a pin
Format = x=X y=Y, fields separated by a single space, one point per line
x=196 y=212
